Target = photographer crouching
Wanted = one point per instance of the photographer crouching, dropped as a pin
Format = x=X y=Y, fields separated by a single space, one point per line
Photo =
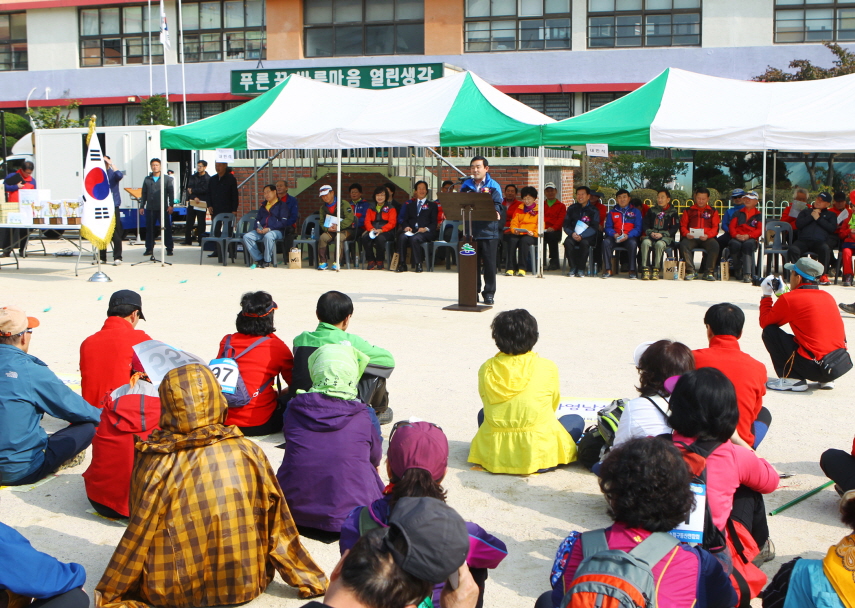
x=817 y=350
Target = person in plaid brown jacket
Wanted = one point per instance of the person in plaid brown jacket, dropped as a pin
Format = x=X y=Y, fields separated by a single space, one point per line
x=209 y=524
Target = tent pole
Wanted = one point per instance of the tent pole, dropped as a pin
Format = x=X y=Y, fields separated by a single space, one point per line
x=774 y=175
x=338 y=212
x=763 y=210
x=541 y=181
x=162 y=208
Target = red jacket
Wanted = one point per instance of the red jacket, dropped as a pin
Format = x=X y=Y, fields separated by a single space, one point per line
x=105 y=359
x=387 y=214
x=267 y=360
x=695 y=217
x=786 y=217
x=108 y=478
x=747 y=374
x=746 y=221
x=843 y=225
x=511 y=209
x=553 y=215
x=604 y=212
x=813 y=317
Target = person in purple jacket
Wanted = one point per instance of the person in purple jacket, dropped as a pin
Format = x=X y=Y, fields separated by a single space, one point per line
x=416 y=463
x=333 y=444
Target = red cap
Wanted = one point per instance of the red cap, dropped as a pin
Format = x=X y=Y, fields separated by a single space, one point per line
x=418 y=445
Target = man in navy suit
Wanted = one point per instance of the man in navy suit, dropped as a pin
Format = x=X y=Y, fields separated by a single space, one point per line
x=417 y=223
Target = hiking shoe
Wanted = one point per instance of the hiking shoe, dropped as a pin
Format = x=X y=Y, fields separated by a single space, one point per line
x=606 y=274
x=826 y=386
x=787 y=384
x=73 y=462
x=579 y=274
x=254 y=265
x=371 y=265
x=323 y=266
x=633 y=275
x=645 y=274
x=385 y=417
x=746 y=278
x=655 y=276
x=850 y=308
x=335 y=266
x=823 y=280
x=847 y=280
x=709 y=277
x=553 y=265
x=509 y=273
x=379 y=266
x=691 y=276
x=767 y=553
x=520 y=273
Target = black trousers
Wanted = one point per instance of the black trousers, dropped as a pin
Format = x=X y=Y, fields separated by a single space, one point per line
x=486 y=250
x=104 y=510
x=273 y=424
x=750 y=510
x=118 y=236
x=710 y=247
x=415 y=242
x=518 y=246
x=76 y=598
x=550 y=245
x=839 y=466
x=742 y=253
x=194 y=218
x=577 y=252
x=782 y=348
x=820 y=248
x=152 y=216
x=375 y=249
x=631 y=245
x=61 y=447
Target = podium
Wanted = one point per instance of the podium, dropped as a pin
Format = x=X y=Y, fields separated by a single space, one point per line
x=470 y=206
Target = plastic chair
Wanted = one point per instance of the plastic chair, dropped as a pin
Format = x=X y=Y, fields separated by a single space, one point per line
x=782 y=236
x=225 y=221
x=244 y=225
x=438 y=244
x=309 y=234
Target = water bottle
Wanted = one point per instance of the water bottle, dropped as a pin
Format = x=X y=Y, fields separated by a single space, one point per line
x=313 y=233
x=676 y=270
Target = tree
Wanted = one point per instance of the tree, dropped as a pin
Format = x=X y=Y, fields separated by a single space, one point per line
x=635 y=171
x=155 y=111
x=805 y=70
x=55 y=117
x=16 y=127
x=728 y=170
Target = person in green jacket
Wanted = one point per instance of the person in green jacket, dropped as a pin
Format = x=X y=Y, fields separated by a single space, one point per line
x=329 y=205
x=334 y=311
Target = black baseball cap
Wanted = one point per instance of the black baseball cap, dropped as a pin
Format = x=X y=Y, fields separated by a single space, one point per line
x=435 y=537
x=126 y=296
x=825 y=196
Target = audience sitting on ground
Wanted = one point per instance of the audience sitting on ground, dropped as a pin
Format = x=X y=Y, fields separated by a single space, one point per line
x=523 y=233
x=32 y=579
x=660 y=225
x=646 y=486
x=425 y=544
x=261 y=359
x=517 y=429
x=379 y=228
x=647 y=415
x=792 y=211
x=704 y=416
x=745 y=229
x=553 y=222
x=581 y=223
x=698 y=229
x=724 y=323
x=205 y=497
x=334 y=312
x=130 y=414
x=343 y=225
x=814 y=583
x=323 y=485
x=816 y=226
x=839 y=466
x=272 y=221
x=105 y=356
x=416 y=463
x=28 y=391
x=623 y=228
x=417 y=225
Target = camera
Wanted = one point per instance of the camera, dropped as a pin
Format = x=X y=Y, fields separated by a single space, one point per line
x=776 y=282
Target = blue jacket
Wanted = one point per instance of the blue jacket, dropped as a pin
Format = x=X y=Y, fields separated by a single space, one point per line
x=31 y=573
x=488 y=230
x=280 y=216
x=809 y=587
x=624 y=216
x=28 y=391
x=728 y=215
x=113 y=178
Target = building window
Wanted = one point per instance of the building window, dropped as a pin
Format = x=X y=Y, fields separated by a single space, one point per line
x=226 y=30
x=595 y=100
x=517 y=25
x=814 y=21
x=629 y=23
x=118 y=36
x=13 y=41
x=106 y=116
x=198 y=111
x=338 y=28
x=555 y=105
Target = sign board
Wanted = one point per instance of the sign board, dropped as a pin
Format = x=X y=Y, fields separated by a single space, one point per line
x=225 y=155
x=158 y=359
x=256 y=82
x=586 y=408
x=598 y=150
x=30 y=196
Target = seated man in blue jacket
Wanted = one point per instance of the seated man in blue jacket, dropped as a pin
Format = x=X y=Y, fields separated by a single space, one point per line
x=275 y=219
x=623 y=227
x=28 y=391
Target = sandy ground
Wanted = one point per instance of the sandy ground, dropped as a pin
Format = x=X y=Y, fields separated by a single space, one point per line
x=589 y=327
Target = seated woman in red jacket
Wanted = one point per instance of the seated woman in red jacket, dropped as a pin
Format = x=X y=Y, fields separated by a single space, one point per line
x=261 y=356
x=380 y=221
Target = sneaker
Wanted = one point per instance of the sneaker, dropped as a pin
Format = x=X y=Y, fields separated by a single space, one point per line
x=386 y=416
x=372 y=265
x=655 y=276
x=823 y=280
x=847 y=280
x=322 y=266
x=379 y=266
x=579 y=274
x=117 y=262
x=645 y=274
x=553 y=265
x=606 y=274
x=509 y=273
x=746 y=278
x=169 y=252
x=850 y=308
x=691 y=276
x=253 y=266
x=633 y=275
x=521 y=273
x=150 y=252
x=709 y=277
x=335 y=266
x=826 y=386
x=767 y=553
x=787 y=384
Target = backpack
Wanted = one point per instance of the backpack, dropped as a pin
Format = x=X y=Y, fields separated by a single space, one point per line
x=608 y=419
x=228 y=374
x=597 y=440
x=612 y=578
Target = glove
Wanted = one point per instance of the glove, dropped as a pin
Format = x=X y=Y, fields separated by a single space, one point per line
x=766 y=286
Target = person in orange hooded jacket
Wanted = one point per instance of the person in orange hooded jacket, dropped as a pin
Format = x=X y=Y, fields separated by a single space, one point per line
x=523 y=232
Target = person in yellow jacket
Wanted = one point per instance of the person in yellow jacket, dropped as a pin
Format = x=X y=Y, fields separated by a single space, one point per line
x=518 y=432
x=523 y=232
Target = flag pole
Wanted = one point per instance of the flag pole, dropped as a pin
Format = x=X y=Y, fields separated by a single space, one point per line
x=338 y=212
x=163 y=177
x=541 y=182
x=150 y=59
x=181 y=59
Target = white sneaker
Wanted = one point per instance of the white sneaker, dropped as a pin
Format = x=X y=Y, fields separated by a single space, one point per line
x=827 y=386
x=787 y=384
x=117 y=262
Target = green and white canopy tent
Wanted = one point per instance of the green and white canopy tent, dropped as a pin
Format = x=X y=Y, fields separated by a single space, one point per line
x=300 y=113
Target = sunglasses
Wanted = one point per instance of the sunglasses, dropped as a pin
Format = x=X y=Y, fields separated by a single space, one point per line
x=402 y=423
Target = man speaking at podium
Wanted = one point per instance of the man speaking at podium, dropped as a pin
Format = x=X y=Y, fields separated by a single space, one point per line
x=486 y=233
